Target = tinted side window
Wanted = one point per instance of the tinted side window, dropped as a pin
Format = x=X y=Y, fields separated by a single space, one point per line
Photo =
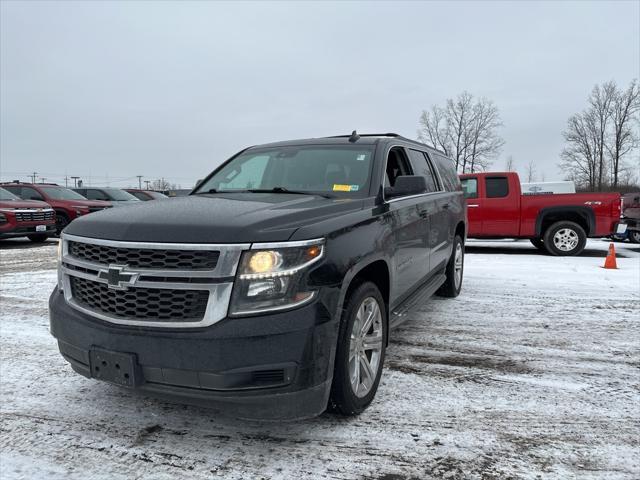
x=93 y=194
x=421 y=166
x=447 y=172
x=140 y=195
x=470 y=187
x=497 y=187
x=29 y=193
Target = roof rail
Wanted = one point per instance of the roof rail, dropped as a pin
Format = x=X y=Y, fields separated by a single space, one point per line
x=366 y=135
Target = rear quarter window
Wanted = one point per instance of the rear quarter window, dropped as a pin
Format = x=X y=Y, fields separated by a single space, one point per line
x=448 y=173
x=497 y=187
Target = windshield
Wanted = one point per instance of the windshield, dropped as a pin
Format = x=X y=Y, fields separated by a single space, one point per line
x=7 y=195
x=61 y=193
x=119 y=195
x=342 y=170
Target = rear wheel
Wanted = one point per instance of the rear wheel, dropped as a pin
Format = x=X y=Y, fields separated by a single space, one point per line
x=538 y=243
x=454 y=271
x=361 y=350
x=565 y=238
x=38 y=238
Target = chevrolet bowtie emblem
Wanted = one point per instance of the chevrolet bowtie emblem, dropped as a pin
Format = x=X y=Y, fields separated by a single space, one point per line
x=117 y=277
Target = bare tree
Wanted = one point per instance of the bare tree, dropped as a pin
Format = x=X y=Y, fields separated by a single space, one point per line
x=624 y=136
x=509 y=164
x=465 y=129
x=531 y=172
x=599 y=138
x=162 y=185
x=485 y=144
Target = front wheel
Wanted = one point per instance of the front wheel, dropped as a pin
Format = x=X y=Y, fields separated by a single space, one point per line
x=565 y=238
x=634 y=236
x=61 y=221
x=454 y=271
x=361 y=349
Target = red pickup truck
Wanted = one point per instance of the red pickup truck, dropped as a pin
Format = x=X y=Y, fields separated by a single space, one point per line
x=558 y=223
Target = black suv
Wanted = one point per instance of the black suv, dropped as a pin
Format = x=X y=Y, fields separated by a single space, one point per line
x=269 y=290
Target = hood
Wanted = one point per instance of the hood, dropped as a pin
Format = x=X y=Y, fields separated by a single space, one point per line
x=13 y=204
x=215 y=218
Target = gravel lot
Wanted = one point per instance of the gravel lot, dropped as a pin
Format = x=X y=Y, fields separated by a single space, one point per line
x=533 y=372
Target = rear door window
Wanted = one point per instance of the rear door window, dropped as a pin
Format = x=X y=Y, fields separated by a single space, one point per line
x=470 y=187
x=497 y=187
x=422 y=166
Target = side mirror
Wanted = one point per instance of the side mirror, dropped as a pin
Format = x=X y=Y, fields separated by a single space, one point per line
x=407 y=185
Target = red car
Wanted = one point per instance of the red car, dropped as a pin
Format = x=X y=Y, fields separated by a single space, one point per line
x=559 y=223
x=67 y=203
x=22 y=218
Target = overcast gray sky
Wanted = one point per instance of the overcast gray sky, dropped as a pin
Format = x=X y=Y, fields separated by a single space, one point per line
x=171 y=89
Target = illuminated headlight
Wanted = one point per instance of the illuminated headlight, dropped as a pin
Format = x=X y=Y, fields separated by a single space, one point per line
x=275 y=279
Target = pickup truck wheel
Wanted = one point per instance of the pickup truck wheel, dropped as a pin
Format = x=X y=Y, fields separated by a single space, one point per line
x=634 y=236
x=361 y=349
x=38 y=238
x=454 y=271
x=565 y=239
x=538 y=243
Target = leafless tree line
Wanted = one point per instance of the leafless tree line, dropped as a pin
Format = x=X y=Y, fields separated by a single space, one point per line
x=466 y=129
x=600 y=139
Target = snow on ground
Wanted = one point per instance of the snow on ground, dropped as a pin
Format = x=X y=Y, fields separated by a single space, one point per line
x=533 y=372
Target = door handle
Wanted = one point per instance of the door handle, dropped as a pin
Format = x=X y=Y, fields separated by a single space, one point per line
x=473 y=205
x=446 y=205
x=423 y=213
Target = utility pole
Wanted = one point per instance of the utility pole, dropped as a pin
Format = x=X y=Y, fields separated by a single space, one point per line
x=66 y=179
x=42 y=179
x=33 y=177
x=139 y=181
x=75 y=181
x=147 y=184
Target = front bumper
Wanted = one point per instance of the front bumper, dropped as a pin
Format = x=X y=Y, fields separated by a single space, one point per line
x=21 y=230
x=270 y=366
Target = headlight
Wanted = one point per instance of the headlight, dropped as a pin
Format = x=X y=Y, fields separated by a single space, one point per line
x=59 y=259
x=274 y=278
x=81 y=209
x=3 y=218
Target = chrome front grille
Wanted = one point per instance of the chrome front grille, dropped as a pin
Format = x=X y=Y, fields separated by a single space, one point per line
x=34 y=215
x=146 y=257
x=149 y=284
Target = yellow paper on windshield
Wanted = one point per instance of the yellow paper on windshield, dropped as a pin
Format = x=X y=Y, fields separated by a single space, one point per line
x=337 y=187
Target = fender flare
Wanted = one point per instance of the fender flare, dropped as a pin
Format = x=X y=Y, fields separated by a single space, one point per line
x=585 y=212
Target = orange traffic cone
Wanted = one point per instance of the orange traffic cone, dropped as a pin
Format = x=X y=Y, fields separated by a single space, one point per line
x=610 y=261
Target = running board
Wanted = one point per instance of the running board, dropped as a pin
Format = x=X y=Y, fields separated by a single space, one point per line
x=422 y=294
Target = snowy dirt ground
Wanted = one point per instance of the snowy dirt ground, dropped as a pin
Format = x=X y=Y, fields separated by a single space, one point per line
x=533 y=372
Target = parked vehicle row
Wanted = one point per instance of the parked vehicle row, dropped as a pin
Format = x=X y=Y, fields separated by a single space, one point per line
x=63 y=205
x=25 y=218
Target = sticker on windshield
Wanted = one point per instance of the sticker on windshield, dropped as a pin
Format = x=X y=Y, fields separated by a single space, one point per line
x=361 y=157
x=337 y=187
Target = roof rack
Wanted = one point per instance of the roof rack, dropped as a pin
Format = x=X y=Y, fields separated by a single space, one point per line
x=355 y=136
x=367 y=135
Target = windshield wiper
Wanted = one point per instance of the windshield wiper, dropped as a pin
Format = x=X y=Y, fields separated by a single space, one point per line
x=286 y=190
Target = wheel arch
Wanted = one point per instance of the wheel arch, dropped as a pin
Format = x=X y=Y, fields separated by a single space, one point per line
x=583 y=216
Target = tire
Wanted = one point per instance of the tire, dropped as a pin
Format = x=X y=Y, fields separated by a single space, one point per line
x=454 y=271
x=634 y=236
x=38 y=238
x=344 y=399
x=61 y=221
x=565 y=238
x=538 y=243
